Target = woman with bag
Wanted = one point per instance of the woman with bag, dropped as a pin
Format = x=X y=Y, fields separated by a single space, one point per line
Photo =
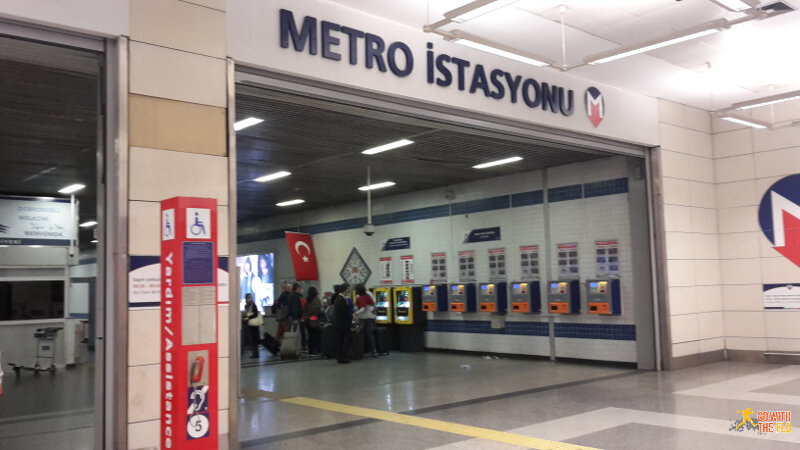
x=313 y=311
x=366 y=316
x=251 y=322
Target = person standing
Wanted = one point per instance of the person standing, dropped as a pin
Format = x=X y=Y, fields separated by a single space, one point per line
x=251 y=322
x=366 y=316
x=313 y=315
x=280 y=309
x=342 y=321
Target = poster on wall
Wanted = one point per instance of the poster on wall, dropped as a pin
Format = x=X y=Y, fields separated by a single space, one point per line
x=401 y=243
x=782 y=296
x=438 y=268
x=407 y=266
x=256 y=277
x=568 y=260
x=385 y=268
x=144 y=281
x=36 y=221
x=466 y=266
x=607 y=258
x=497 y=264
x=355 y=270
x=482 y=235
x=529 y=262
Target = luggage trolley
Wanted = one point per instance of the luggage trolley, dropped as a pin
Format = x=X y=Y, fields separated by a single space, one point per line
x=45 y=349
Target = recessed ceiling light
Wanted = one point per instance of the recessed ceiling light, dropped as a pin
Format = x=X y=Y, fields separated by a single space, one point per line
x=372 y=187
x=93 y=241
x=290 y=202
x=72 y=188
x=272 y=176
x=498 y=162
x=389 y=146
x=743 y=122
x=88 y=224
x=771 y=100
x=476 y=9
x=244 y=123
x=485 y=45
x=733 y=5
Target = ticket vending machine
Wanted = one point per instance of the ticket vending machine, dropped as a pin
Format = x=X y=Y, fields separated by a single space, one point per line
x=461 y=298
x=434 y=297
x=188 y=373
x=526 y=297
x=383 y=305
x=408 y=319
x=603 y=297
x=564 y=297
x=493 y=298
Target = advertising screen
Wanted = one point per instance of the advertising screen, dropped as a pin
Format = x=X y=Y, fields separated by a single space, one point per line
x=256 y=277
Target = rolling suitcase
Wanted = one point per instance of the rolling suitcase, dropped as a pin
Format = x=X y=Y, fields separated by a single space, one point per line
x=271 y=344
x=328 y=341
x=290 y=343
x=356 y=350
x=382 y=340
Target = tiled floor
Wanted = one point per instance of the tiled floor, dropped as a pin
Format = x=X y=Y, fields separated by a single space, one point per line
x=583 y=404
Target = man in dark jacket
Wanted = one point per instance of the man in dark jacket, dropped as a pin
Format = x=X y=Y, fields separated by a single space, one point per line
x=342 y=321
x=280 y=308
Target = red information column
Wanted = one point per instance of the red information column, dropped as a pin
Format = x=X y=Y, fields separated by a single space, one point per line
x=189 y=323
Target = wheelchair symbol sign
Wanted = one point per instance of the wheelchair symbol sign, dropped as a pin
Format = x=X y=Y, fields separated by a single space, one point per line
x=167 y=224
x=198 y=223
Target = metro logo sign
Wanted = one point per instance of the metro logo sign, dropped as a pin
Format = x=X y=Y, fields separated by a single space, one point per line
x=595 y=106
x=779 y=217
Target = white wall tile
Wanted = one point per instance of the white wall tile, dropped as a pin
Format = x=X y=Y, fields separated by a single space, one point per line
x=679 y=245
x=739 y=245
x=222 y=417
x=677 y=191
x=222 y=230
x=790 y=345
x=223 y=329
x=143 y=390
x=704 y=220
x=179 y=25
x=689 y=167
x=776 y=139
x=144 y=434
x=777 y=162
x=737 y=193
x=671 y=112
x=710 y=345
x=156 y=175
x=708 y=298
x=733 y=143
x=705 y=246
x=782 y=324
x=684 y=328
x=144 y=334
x=222 y=382
x=734 y=168
x=680 y=272
x=682 y=300
x=763 y=185
x=177 y=75
x=677 y=218
x=737 y=220
x=710 y=325
x=674 y=138
x=216 y=4
x=707 y=272
x=697 y=119
x=746 y=343
x=143 y=231
x=703 y=194
x=685 y=348
x=744 y=324
x=740 y=271
x=743 y=297
x=779 y=270
x=699 y=143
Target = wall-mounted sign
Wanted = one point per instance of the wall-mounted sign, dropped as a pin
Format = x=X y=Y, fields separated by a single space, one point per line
x=407 y=266
x=355 y=270
x=568 y=266
x=497 y=264
x=779 y=217
x=529 y=262
x=781 y=296
x=401 y=243
x=385 y=269
x=438 y=267
x=482 y=235
x=37 y=221
x=607 y=258
x=144 y=281
x=466 y=266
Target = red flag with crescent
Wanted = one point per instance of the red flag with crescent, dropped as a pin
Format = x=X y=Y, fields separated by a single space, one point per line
x=302 y=250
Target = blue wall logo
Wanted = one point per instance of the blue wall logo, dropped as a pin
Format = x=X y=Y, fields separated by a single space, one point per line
x=595 y=106
x=779 y=217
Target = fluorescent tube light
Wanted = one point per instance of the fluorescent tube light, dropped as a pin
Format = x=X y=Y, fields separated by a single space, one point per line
x=743 y=122
x=683 y=36
x=498 y=162
x=88 y=224
x=771 y=100
x=476 y=9
x=273 y=176
x=244 y=123
x=93 y=241
x=389 y=146
x=290 y=202
x=733 y=5
x=498 y=49
x=372 y=187
x=72 y=188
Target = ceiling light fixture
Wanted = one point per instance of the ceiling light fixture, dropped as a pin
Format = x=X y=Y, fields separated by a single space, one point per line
x=735 y=5
x=485 y=45
x=72 y=188
x=386 y=147
x=476 y=9
x=290 y=202
x=88 y=224
x=244 y=123
x=748 y=123
x=498 y=162
x=771 y=100
x=272 y=176
x=682 y=36
x=93 y=241
x=372 y=187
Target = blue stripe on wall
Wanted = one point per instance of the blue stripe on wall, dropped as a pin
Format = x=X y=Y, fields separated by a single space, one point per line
x=484 y=204
x=596 y=331
x=411 y=215
x=527 y=199
x=564 y=193
x=564 y=330
x=607 y=187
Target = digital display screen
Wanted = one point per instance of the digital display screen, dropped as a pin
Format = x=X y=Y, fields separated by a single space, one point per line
x=256 y=277
x=516 y=286
x=427 y=288
x=553 y=285
x=455 y=288
x=593 y=284
x=483 y=286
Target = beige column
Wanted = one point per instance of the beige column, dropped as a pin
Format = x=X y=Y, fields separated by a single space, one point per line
x=178 y=147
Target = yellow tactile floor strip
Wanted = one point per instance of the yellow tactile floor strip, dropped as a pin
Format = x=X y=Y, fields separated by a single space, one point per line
x=438 y=425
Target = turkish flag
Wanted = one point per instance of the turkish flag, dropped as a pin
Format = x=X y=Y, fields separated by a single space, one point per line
x=302 y=250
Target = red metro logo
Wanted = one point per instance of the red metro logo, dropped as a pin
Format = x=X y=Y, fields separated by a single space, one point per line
x=779 y=217
x=595 y=105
